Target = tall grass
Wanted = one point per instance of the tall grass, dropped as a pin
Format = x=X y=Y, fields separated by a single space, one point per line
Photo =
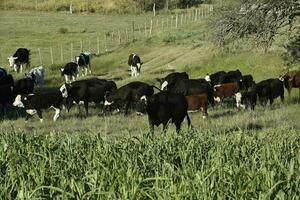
x=191 y=165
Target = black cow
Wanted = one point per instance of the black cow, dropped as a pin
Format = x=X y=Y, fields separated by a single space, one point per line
x=128 y=95
x=231 y=77
x=84 y=61
x=36 y=103
x=3 y=72
x=70 y=72
x=246 y=82
x=165 y=107
x=24 y=86
x=170 y=80
x=269 y=90
x=215 y=78
x=6 y=97
x=20 y=58
x=247 y=98
x=194 y=87
x=135 y=63
x=90 y=90
x=7 y=80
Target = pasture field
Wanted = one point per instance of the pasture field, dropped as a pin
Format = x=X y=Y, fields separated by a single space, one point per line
x=233 y=154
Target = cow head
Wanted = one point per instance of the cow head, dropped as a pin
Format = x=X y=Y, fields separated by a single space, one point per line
x=19 y=101
x=108 y=99
x=239 y=100
x=12 y=60
x=64 y=90
x=141 y=106
x=77 y=59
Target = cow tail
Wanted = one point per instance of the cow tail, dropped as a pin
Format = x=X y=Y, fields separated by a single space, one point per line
x=188 y=120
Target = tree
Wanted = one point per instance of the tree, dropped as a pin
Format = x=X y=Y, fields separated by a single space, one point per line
x=259 y=20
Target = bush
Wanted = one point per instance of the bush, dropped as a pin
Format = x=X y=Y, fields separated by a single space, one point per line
x=63 y=30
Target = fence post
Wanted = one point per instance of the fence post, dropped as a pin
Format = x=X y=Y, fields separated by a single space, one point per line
x=151 y=27
x=176 y=22
x=105 y=42
x=51 y=55
x=119 y=34
x=196 y=14
x=40 y=56
x=167 y=22
x=171 y=21
x=162 y=25
x=181 y=19
x=81 y=46
x=98 y=45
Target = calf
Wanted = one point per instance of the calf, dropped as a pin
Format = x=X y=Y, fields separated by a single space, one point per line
x=70 y=72
x=24 y=86
x=225 y=90
x=170 y=80
x=6 y=97
x=19 y=59
x=38 y=74
x=197 y=102
x=91 y=90
x=134 y=61
x=165 y=107
x=84 y=62
x=36 y=103
x=128 y=95
x=270 y=89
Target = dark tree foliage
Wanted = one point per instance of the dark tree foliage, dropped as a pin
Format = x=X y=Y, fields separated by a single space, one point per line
x=260 y=20
x=292 y=54
x=188 y=3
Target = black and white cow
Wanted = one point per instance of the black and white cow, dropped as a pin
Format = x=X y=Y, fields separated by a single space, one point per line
x=38 y=74
x=3 y=72
x=168 y=82
x=248 y=98
x=134 y=61
x=6 y=97
x=36 y=103
x=270 y=89
x=165 y=107
x=20 y=59
x=24 y=86
x=84 y=62
x=215 y=78
x=70 y=72
x=128 y=95
x=90 y=90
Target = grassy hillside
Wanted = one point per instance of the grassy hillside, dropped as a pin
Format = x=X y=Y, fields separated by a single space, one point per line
x=233 y=154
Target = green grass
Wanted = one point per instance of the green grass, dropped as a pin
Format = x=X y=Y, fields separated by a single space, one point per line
x=233 y=154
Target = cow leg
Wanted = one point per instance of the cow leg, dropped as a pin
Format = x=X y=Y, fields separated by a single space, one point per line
x=90 y=68
x=21 y=68
x=132 y=71
x=74 y=78
x=39 y=113
x=86 y=106
x=151 y=126
x=57 y=112
x=271 y=101
x=178 y=126
x=86 y=70
x=282 y=97
x=127 y=107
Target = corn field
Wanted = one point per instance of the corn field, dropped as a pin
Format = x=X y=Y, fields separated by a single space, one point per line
x=193 y=165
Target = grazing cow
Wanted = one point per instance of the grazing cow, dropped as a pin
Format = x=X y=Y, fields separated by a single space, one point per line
x=246 y=82
x=24 y=86
x=215 y=78
x=225 y=90
x=247 y=98
x=7 y=80
x=134 y=61
x=90 y=90
x=292 y=82
x=38 y=74
x=170 y=80
x=6 y=97
x=84 y=62
x=165 y=107
x=19 y=59
x=231 y=77
x=70 y=72
x=3 y=72
x=128 y=95
x=36 y=103
x=270 y=89
x=197 y=102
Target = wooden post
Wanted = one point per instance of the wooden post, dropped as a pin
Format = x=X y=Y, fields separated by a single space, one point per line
x=40 y=56
x=176 y=26
x=71 y=52
x=51 y=55
x=171 y=21
x=154 y=10
x=167 y=22
x=71 y=7
x=151 y=27
x=36 y=5
x=181 y=20
x=61 y=53
x=162 y=25
x=119 y=34
x=81 y=46
x=196 y=13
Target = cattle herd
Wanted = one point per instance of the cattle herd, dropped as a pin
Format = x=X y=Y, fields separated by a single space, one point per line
x=176 y=96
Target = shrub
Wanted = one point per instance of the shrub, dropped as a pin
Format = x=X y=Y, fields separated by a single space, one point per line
x=63 y=30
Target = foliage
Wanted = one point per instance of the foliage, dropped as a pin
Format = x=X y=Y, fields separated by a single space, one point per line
x=260 y=20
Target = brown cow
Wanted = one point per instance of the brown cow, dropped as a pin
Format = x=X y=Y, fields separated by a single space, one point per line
x=197 y=102
x=291 y=82
x=225 y=90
